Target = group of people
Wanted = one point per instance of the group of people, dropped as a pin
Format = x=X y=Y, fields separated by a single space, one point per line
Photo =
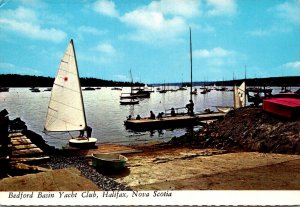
x=189 y=106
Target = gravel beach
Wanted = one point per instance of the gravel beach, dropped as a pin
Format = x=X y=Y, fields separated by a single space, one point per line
x=81 y=163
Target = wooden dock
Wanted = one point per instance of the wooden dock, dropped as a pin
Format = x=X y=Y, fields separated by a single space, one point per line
x=24 y=151
x=171 y=121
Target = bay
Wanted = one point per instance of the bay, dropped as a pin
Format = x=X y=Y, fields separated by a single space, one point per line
x=105 y=114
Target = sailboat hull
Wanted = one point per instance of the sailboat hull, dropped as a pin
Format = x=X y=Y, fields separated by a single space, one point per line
x=83 y=143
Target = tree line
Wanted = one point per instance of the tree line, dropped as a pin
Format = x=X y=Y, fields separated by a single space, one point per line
x=15 y=80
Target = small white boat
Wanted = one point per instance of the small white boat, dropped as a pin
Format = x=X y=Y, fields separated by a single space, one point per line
x=109 y=161
x=66 y=108
x=224 y=109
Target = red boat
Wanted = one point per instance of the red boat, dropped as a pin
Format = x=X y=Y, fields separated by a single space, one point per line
x=285 y=105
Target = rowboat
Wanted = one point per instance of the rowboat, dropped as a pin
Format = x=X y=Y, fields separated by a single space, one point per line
x=109 y=161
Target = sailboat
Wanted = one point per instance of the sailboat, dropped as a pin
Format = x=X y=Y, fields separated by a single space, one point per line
x=131 y=98
x=239 y=99
x=66 y=108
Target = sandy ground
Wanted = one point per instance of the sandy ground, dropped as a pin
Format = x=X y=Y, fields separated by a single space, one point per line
x=197 y=169
x=68 y=179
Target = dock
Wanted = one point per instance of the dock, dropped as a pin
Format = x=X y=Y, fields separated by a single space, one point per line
x=171 y=121
x=24 y=151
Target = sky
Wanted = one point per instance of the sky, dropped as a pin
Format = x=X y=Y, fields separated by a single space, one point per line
x=151 y=38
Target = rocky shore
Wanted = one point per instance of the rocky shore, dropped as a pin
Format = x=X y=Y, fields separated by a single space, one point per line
x=247 y=129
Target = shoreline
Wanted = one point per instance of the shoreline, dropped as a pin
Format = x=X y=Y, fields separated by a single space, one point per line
x=181 y=162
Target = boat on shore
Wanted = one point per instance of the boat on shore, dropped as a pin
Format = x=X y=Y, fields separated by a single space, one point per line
x=66 y=107
x=285 y=105
x=239 y=99
x=109 y=161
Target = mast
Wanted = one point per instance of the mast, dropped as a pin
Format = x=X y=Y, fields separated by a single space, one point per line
x=131 y=81
x=66 y=107
x=79 y=82
x=191 y=62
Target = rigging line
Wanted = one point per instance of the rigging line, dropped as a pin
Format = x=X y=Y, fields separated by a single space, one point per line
x=70 y=134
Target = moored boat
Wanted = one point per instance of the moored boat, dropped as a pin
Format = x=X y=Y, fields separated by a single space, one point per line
x=129 y=102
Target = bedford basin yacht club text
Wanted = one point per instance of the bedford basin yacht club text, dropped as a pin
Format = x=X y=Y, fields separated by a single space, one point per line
x=88 y=194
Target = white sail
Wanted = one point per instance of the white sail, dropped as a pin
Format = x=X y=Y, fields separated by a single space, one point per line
x=66 y=109
x=240 y=96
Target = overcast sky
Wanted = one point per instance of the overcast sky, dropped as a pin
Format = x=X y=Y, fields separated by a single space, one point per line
x=152 y=38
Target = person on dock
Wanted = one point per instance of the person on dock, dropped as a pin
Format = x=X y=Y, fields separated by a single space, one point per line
x=152 y=115
x=190 y=108
x=173 y=112
x=159 y=116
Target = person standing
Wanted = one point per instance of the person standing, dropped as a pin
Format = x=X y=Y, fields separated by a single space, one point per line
x=190 y=108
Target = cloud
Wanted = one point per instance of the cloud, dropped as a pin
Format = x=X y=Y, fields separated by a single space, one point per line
x=26 y=22
x=184 y=8
x=213 y=53
x=152 y=25
x=221 y=7
x=165 y=20
x=269 y=31
x=106 y=48
x=161 y=20
x=292 y=65
x=91 y=30
x=106 y=8
x=288 y=11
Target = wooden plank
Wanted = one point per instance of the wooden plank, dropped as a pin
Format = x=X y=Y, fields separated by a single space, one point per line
x=28 y=152
x=23 y=146
x=29 y=159
x=15 y=134
x=19 y=137
x=20 y=141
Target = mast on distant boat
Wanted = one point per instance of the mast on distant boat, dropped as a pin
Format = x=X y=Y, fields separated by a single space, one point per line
x=191 y=62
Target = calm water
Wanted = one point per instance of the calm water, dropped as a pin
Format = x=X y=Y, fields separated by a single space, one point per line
x=105 y=115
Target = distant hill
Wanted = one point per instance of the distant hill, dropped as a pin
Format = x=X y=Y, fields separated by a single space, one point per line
x=272 y=81
x=14 y=80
